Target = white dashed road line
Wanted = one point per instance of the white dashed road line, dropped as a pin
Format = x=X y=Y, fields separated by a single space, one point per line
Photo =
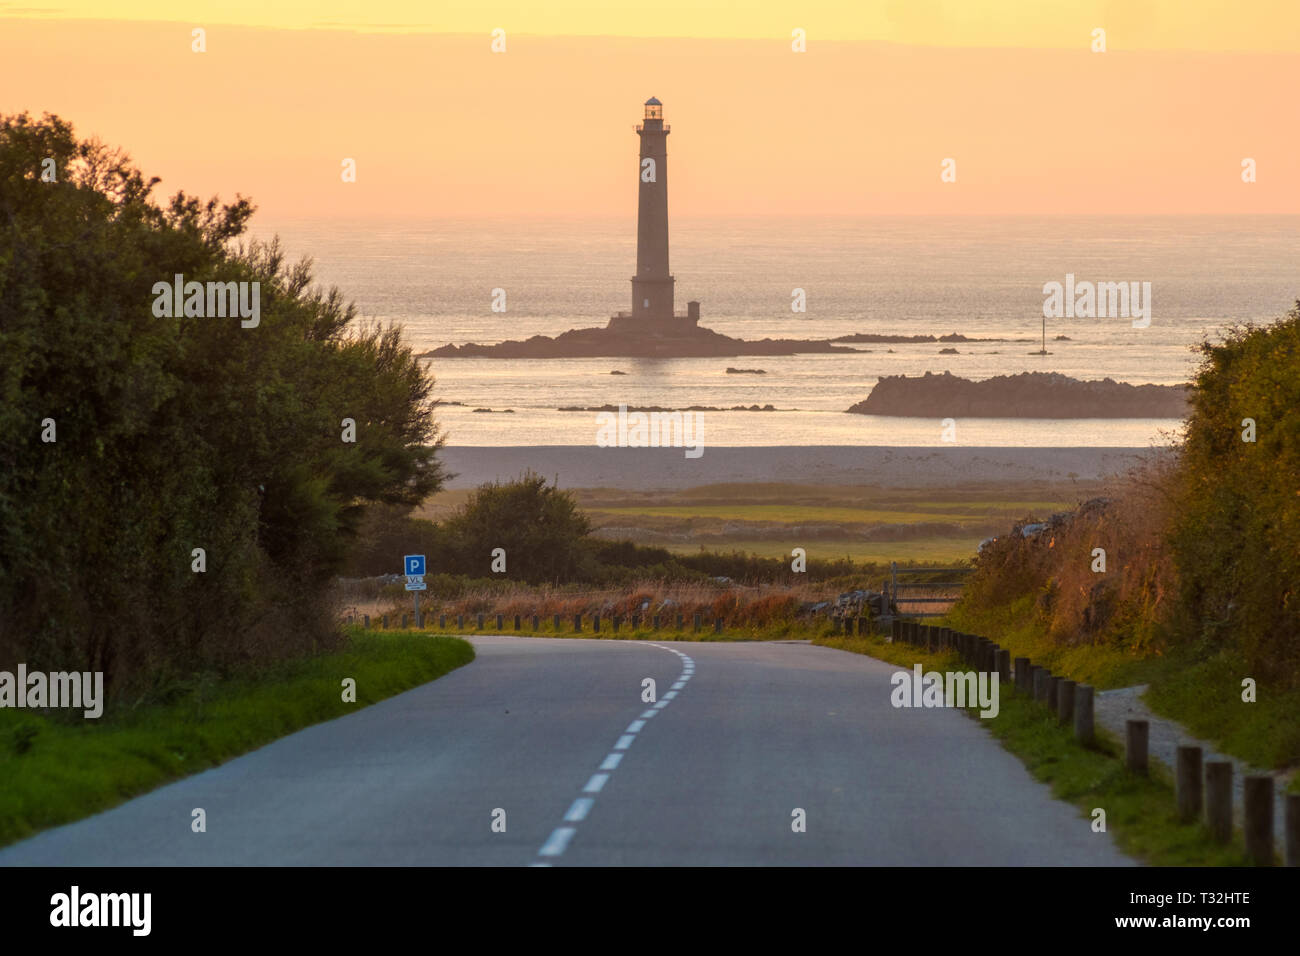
x=578 y=812
x=558 y=841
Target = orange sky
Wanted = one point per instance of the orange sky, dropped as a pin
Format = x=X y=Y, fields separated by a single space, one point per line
x=441 y=126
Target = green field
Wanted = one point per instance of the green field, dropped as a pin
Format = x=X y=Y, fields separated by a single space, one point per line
x=865 y=523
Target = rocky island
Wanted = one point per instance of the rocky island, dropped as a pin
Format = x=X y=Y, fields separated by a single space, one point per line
x=679 y=339
x=1027 y=395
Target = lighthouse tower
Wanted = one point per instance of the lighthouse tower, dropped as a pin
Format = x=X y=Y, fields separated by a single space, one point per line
x=652 y=286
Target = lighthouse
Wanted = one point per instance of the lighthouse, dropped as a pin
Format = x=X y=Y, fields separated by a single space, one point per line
x=652 y=286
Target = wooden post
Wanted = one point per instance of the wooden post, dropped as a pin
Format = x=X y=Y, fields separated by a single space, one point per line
x=1188 y=783
x=1292 y=824
x=1022 y=675
x=1084 y=731
x=517 y=622
x=385 y=622
x=480 y=620
x=1004 y=665
x=501 y=622
x=617 y=621
x=895 y=631
x=1259 y=819
x=557 y=624
x=1065 y=702
x=698 y=620
x=1053 y=683
x=1218 y=799
x=537 y=622
x=717 y=626
x=577 y=623
x=636 y=621
x=654 y=623
x=403 y=621
x=681 y=621
x=595 y=623
x=1136 y=733
x=1039 y=677
x=367 y=617
x=460 y=622
x=442 y=622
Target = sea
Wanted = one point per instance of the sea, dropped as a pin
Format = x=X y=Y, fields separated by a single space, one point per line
x=979 y=276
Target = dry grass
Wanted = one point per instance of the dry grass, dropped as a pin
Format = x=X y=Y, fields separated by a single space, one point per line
x=1078 y=604
x=758 y=607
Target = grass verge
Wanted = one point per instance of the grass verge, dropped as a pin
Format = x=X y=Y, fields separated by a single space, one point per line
x=1141 y=812
x=773 y=631
x=56 y=771
x=1199 y=687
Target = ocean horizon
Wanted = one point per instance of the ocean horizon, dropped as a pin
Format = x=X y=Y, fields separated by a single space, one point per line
x=982 y=277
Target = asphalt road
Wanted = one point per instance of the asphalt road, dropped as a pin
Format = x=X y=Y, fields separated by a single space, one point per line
x=554 y=733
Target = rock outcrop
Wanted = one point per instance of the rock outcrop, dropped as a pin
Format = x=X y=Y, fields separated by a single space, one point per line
x=692 y=342
x=1027 y=395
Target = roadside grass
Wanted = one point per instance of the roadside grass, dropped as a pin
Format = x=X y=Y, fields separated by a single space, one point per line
x=771 y=631
x=1199 y=688
x=1141 y=812
x=57 y=769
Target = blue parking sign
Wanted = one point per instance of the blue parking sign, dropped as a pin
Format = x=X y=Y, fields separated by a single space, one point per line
x=414 y=564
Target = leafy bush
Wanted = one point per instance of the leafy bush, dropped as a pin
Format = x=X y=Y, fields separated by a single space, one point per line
x=1238 y=518
x=538 y=526
x=177 y=433
x=1201 y=547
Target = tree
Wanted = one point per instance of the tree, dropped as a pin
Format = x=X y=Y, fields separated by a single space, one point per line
x=539 y=527
x=176 y=433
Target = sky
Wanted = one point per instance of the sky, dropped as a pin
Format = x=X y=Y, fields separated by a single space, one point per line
x=440 y=125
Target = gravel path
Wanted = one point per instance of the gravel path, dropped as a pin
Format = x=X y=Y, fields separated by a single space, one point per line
x=1112 y=708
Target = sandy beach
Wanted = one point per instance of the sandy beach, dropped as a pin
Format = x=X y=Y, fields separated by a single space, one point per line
x=646 y=469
